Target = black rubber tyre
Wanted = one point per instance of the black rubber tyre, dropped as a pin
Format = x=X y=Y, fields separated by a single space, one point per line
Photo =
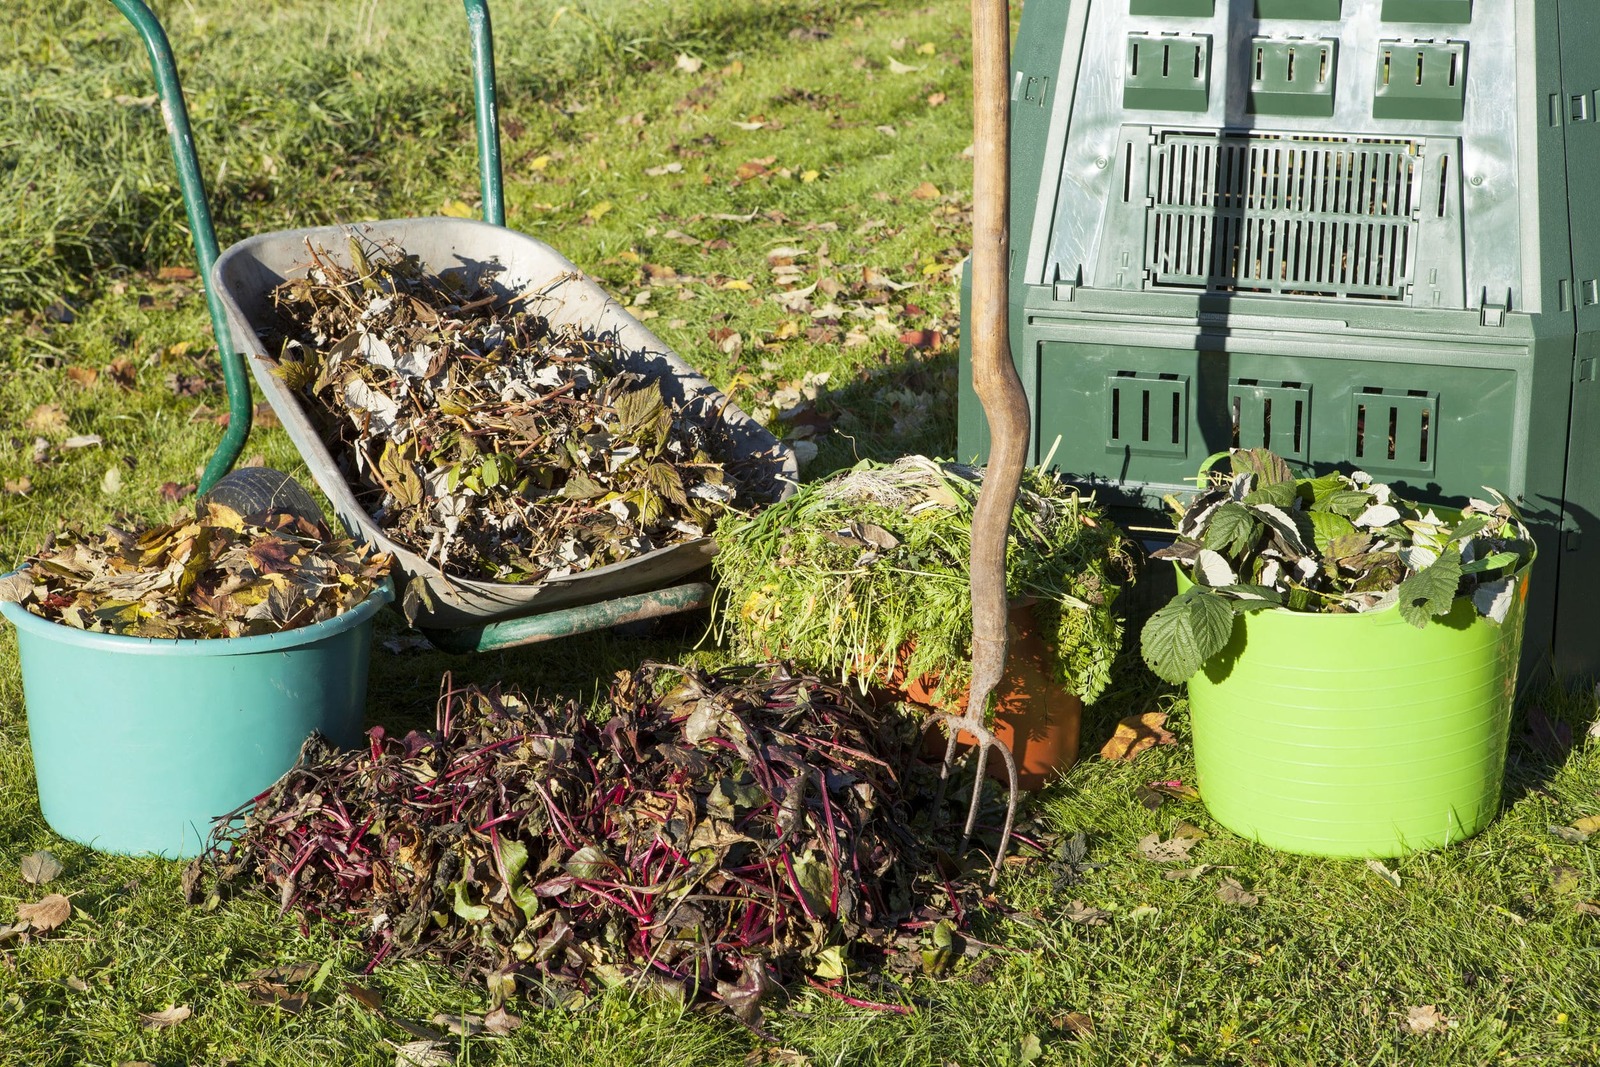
x=254 y=490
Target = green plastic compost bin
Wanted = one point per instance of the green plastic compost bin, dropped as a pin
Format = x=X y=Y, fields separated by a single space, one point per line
x=1358 y=734
x=1362 y=233
x=139 y=743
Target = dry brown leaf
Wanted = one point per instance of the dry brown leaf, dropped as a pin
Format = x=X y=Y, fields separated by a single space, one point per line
x=20 y=486
x=46 y=914
x=462 y=1025
x=273 y=995
x=1137 y=733
x=935 y=99
x=1588 y=907
x=46 y=419
x=176 y=274
x=288 y=973
x=1085 y=915
x=1172 y=850
x=1231 y=892
x=781 y=1057
x=160 y=1020
x=1075 y=1023
x=83 y=376
x=500 y=1022
x=123 y=372
x=1424 y=1019
x=40 y=867
x=371 y=999
x=423 y=1054
x=926 y=191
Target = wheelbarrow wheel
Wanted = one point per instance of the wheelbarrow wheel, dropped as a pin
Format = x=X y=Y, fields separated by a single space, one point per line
x=262 y=490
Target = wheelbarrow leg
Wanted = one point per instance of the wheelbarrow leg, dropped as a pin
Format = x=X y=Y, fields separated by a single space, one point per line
x=572 y=621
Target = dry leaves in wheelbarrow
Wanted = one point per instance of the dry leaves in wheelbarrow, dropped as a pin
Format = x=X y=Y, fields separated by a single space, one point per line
x=718 y=835
x=484 y=439
x=210 y=573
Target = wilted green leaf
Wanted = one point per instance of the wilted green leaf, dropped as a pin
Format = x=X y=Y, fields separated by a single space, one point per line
x=465 y=908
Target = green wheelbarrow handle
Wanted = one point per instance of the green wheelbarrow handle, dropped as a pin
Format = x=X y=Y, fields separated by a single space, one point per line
x=175 y=115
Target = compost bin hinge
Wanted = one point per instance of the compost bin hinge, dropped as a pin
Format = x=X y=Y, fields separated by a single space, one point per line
x=1493 y=311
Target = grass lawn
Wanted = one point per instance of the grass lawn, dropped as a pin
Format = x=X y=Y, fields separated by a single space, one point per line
x=670 y=149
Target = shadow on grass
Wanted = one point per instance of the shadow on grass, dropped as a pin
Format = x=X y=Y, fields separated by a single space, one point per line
x=1550 y=721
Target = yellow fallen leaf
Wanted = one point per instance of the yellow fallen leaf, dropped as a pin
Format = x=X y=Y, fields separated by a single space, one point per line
x=628 y=256
x=809 y=175
x=1137 y=733
x=926 y=48
x=1589 y=825
x=456 y=209
x=737 y=284
x=934 y=268
x=539 y=163
x=598 y=211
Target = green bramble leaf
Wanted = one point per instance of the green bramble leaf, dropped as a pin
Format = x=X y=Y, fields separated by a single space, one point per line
x=1179 y=638
x=1279 y=494
x=1328 y=527
x=1346 y=502
x=1268 y=467
x=1432 y=590
x=1233 y=530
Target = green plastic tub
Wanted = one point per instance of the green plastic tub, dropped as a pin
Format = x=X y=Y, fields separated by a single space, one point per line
x=1357 y=735
x=139 y=743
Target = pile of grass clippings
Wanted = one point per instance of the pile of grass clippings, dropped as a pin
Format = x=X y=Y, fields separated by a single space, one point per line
x=866 y=574
x=211 y=573
x=717 y=835
x=483 y=438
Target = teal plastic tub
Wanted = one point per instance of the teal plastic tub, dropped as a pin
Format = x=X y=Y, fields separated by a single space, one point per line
x=139 y=743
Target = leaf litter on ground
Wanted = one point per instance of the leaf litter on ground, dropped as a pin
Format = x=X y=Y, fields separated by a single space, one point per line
x=487 y=440
x=719 y=834
x=40 y=867
x=209 y=573
x=1137 y=734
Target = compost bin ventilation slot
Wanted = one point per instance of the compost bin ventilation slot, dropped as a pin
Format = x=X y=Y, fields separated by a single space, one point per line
x=1281 y=214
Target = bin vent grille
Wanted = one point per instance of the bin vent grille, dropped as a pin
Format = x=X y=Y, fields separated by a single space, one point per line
x=1314 y=216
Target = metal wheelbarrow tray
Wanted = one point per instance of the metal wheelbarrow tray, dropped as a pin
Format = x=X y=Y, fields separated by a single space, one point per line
x=244 y=277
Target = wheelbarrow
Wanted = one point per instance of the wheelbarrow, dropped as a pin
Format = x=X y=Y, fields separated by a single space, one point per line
x=457 y=615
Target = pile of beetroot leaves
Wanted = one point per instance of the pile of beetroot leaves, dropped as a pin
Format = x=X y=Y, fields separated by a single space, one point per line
x=719 y=835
